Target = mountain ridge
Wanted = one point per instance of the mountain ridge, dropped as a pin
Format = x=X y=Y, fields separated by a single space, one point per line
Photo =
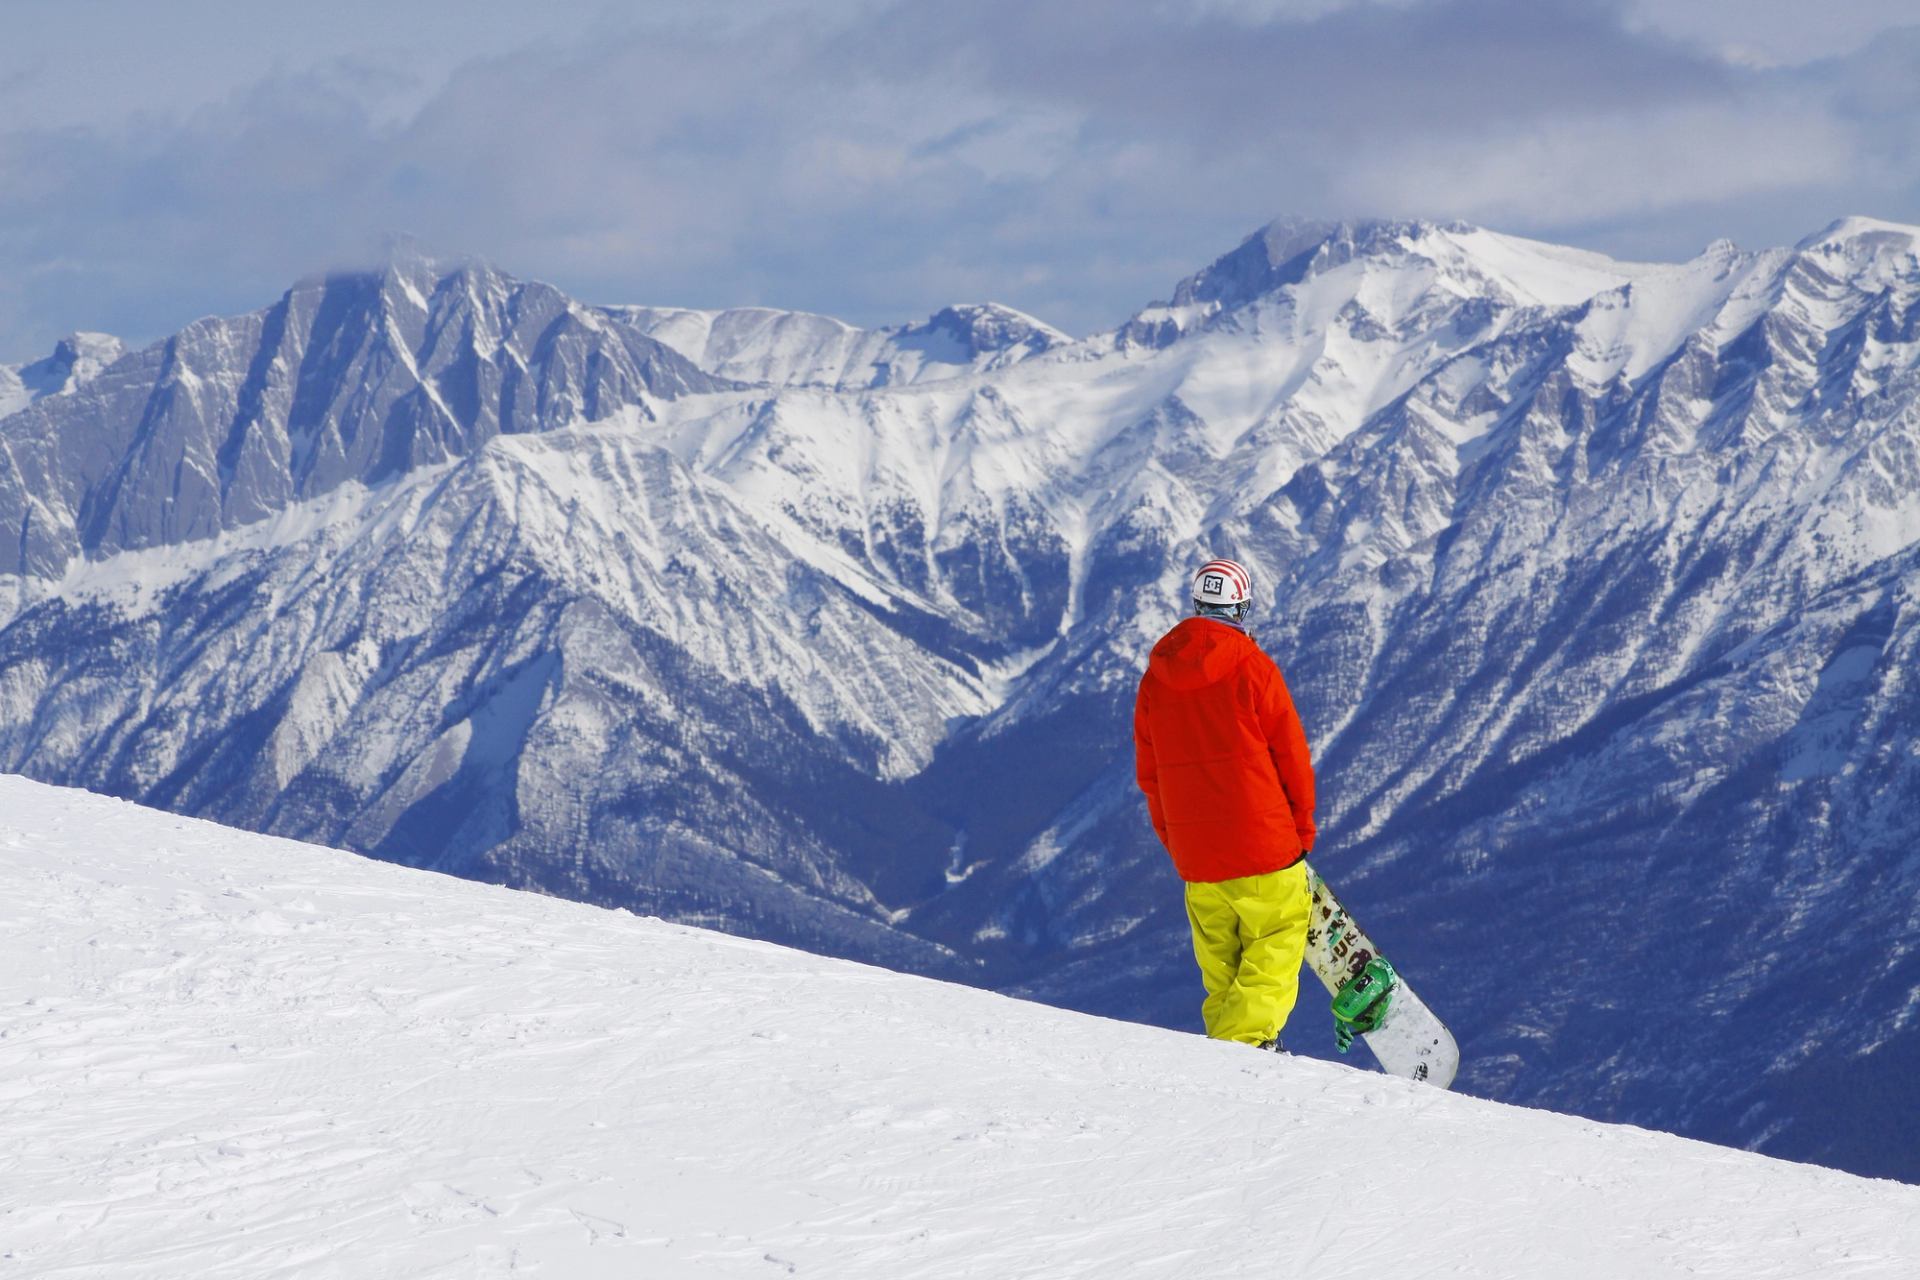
x=768 y=347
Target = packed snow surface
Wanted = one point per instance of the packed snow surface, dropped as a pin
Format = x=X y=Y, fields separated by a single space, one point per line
x=228 y=1055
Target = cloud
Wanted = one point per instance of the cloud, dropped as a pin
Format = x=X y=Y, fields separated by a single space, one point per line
x=1572 y=172
x=1772 y=33
x=1354 y=71
x=878 y=160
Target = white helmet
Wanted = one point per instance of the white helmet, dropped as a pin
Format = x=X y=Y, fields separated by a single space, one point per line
x=1222 y=582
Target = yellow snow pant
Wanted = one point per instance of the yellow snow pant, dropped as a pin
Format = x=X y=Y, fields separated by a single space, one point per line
x=1250 y=936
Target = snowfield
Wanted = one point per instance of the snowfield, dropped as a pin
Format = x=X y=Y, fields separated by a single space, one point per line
x=229 y=1055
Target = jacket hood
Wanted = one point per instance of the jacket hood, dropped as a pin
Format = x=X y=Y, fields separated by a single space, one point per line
x=1198 y=652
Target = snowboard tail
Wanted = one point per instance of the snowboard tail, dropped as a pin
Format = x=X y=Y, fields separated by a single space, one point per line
x=1372 y=998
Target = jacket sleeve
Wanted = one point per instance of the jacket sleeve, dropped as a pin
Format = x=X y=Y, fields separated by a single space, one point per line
x=1145 y=772
x=1287 y=746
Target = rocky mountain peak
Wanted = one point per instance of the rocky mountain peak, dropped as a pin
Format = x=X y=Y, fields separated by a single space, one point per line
x=1278 y=254
x=1722 y=250
x=75 y=361
x=989 y=327
x=1871 y=251
x=1872 y=234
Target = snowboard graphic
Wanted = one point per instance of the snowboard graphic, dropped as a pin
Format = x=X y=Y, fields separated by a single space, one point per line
x=1370 y=998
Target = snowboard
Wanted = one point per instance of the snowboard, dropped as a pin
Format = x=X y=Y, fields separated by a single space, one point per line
x=1404 y=1035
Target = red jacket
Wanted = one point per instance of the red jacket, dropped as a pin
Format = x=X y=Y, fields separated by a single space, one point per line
x=1219 y=750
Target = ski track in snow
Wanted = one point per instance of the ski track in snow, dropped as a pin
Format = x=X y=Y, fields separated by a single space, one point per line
x=226 y=1055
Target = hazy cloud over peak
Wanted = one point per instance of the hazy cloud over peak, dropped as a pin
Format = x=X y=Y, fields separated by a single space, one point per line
x=877 y=160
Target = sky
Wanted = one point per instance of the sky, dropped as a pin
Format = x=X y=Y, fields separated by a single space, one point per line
x=879 y=159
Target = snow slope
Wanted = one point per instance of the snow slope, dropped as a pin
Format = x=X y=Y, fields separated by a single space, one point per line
x=228 y=1055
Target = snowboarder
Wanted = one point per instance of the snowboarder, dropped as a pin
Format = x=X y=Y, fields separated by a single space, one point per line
x=1221 y=755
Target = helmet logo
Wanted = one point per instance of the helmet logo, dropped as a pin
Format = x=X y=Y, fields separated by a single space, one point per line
x=1214 y=584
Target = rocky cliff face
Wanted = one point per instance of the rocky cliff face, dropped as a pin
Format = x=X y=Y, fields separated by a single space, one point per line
x=1596 y=583
x=359 y=378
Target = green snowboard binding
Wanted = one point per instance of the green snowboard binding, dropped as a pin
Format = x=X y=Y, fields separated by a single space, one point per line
x=1372 y=999
x=1363 y=1002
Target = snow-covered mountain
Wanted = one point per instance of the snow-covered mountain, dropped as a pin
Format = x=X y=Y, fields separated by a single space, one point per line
x=75 y=360
x=226 y=1055
x=796 y=348
x=347 y=379
x=1596 y=583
